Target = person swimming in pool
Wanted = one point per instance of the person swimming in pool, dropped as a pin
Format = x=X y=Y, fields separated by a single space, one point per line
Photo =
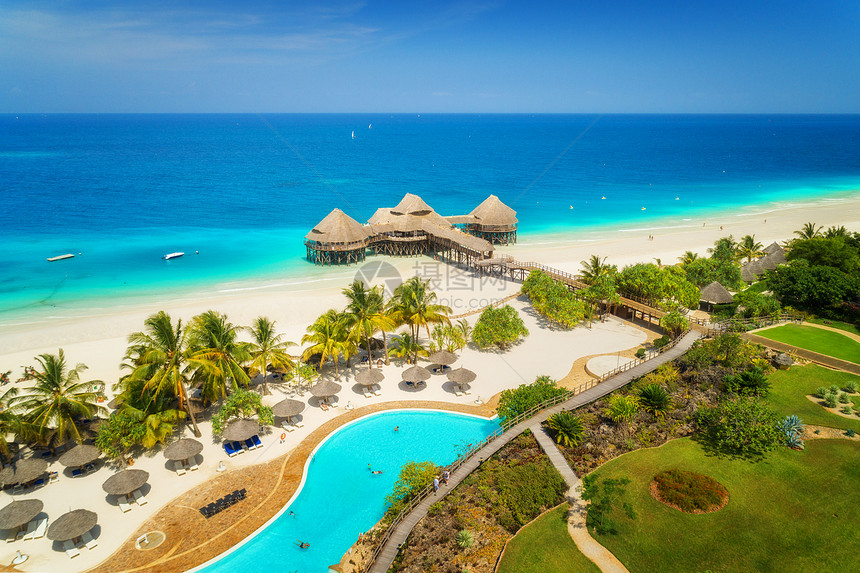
x=302 y=544
x=376 y=472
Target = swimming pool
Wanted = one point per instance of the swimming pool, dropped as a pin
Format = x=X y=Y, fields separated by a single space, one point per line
x=341 y=498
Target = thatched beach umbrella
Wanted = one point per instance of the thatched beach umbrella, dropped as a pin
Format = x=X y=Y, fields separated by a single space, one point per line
x=240 y=430
x=416 y=374
x=325 y=388
x=715 y=293
x=369 y=377
x=183 y=449
x=23 y=471
x=72 y=524
x=288 y=408
x=125 y=481
x=20 y=512
x=442 y=357
x=80 y=455
x=461 y=376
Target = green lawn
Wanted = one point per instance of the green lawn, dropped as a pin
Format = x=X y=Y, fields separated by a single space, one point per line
x=846 y=326
x=789 y=389
x=793 y=511
x=544 y=545
x=815 y=339
x=758 y=287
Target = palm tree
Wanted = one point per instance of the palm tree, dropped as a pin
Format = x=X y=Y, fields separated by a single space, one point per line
x=366 y=313
x=407 y=346
x=748 y=247
x=688 y=257
x=268 y=348
x=156 y=356
x=415 y=306
x=10 y=422
x=833 y=232
x=465 y=331
x=215 y=355
x=724 y=249
x=58 y=399
x=655 y=399
x=809 y=231
x=567 y=427
x=328 y=338
x=595 y=268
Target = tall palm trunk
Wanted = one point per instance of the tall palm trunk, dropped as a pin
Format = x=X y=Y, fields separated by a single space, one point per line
x=185 y=404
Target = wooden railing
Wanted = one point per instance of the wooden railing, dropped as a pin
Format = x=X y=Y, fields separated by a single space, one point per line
x=648 y=356
x=743 y=324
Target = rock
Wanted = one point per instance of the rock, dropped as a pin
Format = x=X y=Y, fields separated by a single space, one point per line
x=783 y=361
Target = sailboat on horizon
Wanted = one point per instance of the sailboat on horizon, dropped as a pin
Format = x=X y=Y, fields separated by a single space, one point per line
x=353 y=134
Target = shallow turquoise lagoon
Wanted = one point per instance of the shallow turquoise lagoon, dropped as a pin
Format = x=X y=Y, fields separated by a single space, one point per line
x=342 y=498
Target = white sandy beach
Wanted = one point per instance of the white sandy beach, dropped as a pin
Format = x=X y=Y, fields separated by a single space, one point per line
x=100 y=342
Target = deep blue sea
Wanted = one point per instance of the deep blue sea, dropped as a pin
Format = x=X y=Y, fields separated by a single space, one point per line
x=243 y=190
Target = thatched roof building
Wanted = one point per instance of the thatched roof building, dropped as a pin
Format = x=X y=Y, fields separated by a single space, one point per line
x=751 y=271
x=715 y=293
x=338 y=238
x=773 y=260
x=772 y=248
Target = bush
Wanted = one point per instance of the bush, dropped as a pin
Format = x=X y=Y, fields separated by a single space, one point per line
x=830 y=401
x=553 y=300
x=640 y=354
x=743 y=426
x=752 y=382
x=567 y=428
x=688 y=491
x=661 y=342
x=499 y=327
x=465 y=539
x=844 y=398
x=655 y=399
x=850 y=433
x=846 y=409
x=622 y=409
x=792 y=428
x=514 y=402
x=822 y=392
x=834 y=389
x=850 y=387
x=529 y=488
x=414 y=476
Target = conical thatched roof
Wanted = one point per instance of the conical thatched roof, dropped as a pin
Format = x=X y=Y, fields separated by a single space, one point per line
x=442 y=357
x=288 y=408
x=461 y=376
x=337 y=227
x=183 y=449
x=416 y=374
x=751 y=271
x=325 y=388
x=72 y=524
x=79 y=455
x=412 y=205
x=369 y=377
x=773 y=248
x=773 y=260
x=23 y=471
x=19 y=512
x=125 y=482
x=241 y=430
x=493 y=212
x=715 y=293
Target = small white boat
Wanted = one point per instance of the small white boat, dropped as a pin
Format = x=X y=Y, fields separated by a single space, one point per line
x=169 y=256
x=353 y=134
x=61 y=257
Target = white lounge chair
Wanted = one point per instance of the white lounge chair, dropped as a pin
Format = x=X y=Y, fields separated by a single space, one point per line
x=377 y=391
x=299 y=424
x=89 y=541
x=13 y=535
x=458 y=392
x=332 y=404
x=70 y=549
x=367 y=393
x=31 y=530
x=193 y=466
x=41 y=528
x=54 y=477
x=180 y=467
x=288 y=427
x=123 y=504
x=139 y=497
x=467 y=392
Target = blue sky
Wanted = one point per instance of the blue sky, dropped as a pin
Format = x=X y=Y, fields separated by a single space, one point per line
x=446 y=56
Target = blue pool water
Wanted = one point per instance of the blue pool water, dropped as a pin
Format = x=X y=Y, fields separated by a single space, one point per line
x=342 y=498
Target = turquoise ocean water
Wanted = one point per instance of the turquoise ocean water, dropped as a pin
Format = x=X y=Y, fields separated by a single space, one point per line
x=243 y=190
x=342 y=498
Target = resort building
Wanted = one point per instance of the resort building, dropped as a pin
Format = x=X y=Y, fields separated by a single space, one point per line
x=774 y=255
x=413 y=228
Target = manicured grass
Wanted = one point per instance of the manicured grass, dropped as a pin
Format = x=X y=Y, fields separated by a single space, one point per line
x=815 y=339
x=545 y=545
x=846 y=326
x=758 y=287
x=789 y=389
x=793 y=511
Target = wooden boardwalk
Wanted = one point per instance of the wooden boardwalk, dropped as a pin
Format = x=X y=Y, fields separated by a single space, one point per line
x=391 y=547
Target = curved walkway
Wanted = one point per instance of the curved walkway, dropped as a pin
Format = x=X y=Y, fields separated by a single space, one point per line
x=599 y=555
x=398 y=537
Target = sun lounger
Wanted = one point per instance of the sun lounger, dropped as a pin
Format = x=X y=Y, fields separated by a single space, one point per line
x=377 y=391
x=17 y=488
x=31 y=530
x=458 y=392
x=41 y=528
x=257 y=441
x=367 y=393
x=238 y=447
x=139 y=497
x=89 y=468
x=123 y=503
x=299 y=424
x=332 y=404
x=54 y=477
x=89 y=541
x=288 y=427
x=180 y=467
x=13 y=535
x=249 y=443
x=193 y=466
x=467 y=391
x=229 y=449
x=77 y=473
x=70 y=549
